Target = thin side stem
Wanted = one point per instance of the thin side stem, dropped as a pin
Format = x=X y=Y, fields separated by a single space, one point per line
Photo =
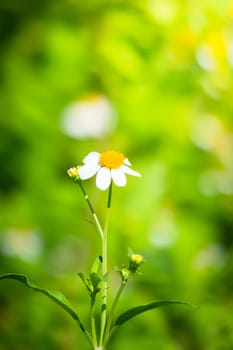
x=112 y=311
x=105 y=269
x=97 y=223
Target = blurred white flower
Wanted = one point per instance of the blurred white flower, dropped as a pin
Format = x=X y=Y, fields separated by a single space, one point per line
x=213 y=256
x=205 y=58
x=230 y=52
x=213 y=182
x=213 y=51
x=92 y=116
x=24 y=244
x=209 y=133
x=163 y=11
x=108 y=166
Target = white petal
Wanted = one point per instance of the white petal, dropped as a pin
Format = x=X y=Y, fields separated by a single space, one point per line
x=118 y=177
x=103 y=179
x=129 y=171
x=127 y=162
x=92 y=157
x=88 y=170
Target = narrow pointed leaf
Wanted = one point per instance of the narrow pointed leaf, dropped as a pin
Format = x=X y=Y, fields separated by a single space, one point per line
x=96 y=267
x=57 y=297
x=95 y=280
x=127 y=315
x=86 y=282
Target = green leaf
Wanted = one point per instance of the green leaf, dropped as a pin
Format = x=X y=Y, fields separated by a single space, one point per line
x=127 y=315
x=87 y=282
x=57 y=297
x=105 y=277
x=95 y=280
x=97 y=264
x=91 y=282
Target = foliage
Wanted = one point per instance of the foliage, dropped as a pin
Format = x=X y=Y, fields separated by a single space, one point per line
x=166 y=67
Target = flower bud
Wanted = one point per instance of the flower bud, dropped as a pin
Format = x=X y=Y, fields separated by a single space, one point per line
x=73 y=173
x=124 y=274
x=135 y=261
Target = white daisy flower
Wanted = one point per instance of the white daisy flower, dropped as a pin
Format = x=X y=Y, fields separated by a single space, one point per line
x=107 y=166
x=92 y=116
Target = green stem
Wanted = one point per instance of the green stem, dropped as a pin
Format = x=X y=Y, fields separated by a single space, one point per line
x=97 y=223
x=105 y=269
x=93 y=340
x=93 y=326
x=112 y=311
x=90 y=340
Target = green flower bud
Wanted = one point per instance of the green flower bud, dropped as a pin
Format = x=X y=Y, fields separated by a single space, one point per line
x=73 y=173
x=124 y=274
x=135 y=260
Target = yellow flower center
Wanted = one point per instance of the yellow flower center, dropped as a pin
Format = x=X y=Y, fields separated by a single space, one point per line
x=137 y=259
x=73 y=172
x=111 y=159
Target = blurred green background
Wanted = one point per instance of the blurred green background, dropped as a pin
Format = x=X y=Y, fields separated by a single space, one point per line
x=153 y=79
